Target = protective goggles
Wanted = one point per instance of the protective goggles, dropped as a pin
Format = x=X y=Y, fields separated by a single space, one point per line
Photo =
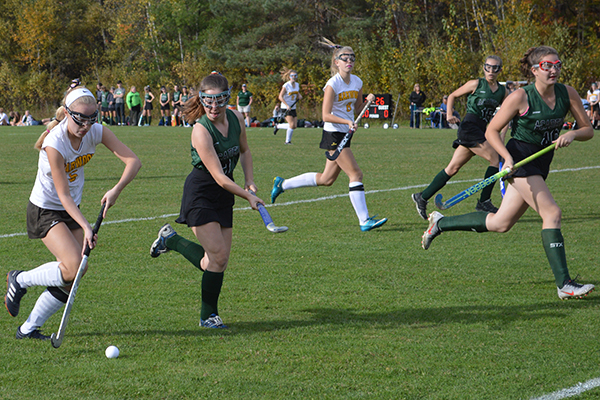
x=347 y=57
x=210 y=100
x=492 y=68
x=293 y=75
x=82 y=119
x=547 y=65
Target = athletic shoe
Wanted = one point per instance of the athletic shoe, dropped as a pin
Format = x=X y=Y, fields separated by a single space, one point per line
x=277 y=188
x=36 y=334
x=275 y=129
x=14 y=293
x=160 y=245
x=288 y=142
x=486 y=206
x=433 y=231
x=572 y=289
x=421 y=204
x=372 y=223
x=214 y=321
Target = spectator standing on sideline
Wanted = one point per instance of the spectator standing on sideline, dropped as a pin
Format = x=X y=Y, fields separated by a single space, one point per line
x=243 y=101
x=120 y=103
x=417 y=98
x=99 y=96
x=182 y=100
x=111 y=106
x=147 y=112
x=134 y=103
x=165 y=107
x=176 y=103
x=593 y=97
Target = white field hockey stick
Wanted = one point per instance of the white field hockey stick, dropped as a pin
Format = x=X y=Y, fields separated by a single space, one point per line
x=347 y=137
x=486 y=182
x=266 y=217
x=57 y=338
x=395 y=109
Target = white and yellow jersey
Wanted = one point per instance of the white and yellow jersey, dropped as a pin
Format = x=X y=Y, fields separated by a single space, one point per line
x=44 y=193
x=344 y=100
x=290 y=96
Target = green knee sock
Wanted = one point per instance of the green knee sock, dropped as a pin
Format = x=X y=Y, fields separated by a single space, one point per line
x=466 y=222
x=438 y=182
x=554 y=244
x=486 y=192
x=193 y=252
x=211 y=289
x=150 y=120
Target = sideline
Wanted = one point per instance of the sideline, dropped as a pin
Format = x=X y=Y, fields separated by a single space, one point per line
x=572 y=391
x=336 y=196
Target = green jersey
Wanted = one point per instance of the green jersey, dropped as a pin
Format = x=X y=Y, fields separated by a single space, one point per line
x=105 y=99
x=227 y=148
x=483 y=102
x=244 y=98
x=164 y=97
x=176 y=96
x=540 y=124
x=184 y=98
x=147 y=97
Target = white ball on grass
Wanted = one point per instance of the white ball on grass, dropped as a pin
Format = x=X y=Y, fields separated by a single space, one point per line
x=386 y=125
x=112 y=352
x=395 y=126
x=367 y=125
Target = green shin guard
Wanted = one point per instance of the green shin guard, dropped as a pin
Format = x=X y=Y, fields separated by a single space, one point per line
x=554 y=245
x=467 y=222
x=438 y=182
x=211 y=289
x=193 y=252
x=486 y=192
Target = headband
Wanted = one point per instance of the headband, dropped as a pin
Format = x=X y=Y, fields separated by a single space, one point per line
x=75 y=94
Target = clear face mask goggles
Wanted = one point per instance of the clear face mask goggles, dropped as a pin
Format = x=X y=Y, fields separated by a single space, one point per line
x=82 y=119
x=210 y=100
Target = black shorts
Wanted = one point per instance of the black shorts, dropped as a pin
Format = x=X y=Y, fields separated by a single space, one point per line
x=291 y=113
x=111 y=108
x=165 y=107
x=41 y=220
x=521 y=150
x=204 y=201
x=596 y=107
x=104 y=109
x=331 y=140
x=471 y=132
x=148 y=106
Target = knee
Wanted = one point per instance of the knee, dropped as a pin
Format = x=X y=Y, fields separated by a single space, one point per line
x=326 y=182
x=217 y=262
x=452 y=170
x=552 y=216
x=356 y=176
x=68 y=269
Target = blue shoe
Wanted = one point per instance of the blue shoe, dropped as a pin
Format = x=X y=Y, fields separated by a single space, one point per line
x=35 y=334
x=160 y=245
x=277 y=189
x=214 y=321
x=14 y=293
x=372 y=223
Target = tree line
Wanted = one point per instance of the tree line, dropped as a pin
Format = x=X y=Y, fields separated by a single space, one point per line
x=439 y=44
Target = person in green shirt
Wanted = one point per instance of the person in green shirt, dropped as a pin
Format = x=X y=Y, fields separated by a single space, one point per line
x=165 y=107
x=244 y=100
x=134 y=103
x=176 y=103
x=218 y=142
x=537 y=111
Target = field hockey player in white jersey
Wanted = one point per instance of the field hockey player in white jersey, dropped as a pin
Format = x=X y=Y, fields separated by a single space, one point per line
x=53 y=213
x=289 y=97
x=343 y=95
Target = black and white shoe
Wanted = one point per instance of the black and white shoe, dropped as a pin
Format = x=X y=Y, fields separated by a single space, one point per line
x=421 y=204
x=14 y=293
x=486 y=206
x=275 y=129
x=36 y=334
x=160 y=244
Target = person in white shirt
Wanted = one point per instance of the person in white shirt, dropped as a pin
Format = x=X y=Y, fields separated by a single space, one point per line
x=3 y=118
x=343 y=96
x=53 y=213
x=289 y=97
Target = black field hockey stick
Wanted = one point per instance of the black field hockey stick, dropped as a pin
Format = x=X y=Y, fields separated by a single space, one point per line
x=281 y=118
x=57 y=338
x=487 y=182
x=347 y=136
x=266 y=217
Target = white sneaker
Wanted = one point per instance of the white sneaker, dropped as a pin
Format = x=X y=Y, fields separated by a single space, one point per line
x=574 y=290
x=433 y=231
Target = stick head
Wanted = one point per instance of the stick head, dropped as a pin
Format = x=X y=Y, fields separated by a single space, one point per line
x=56 y=342
x=438 y=202
x=276 y=229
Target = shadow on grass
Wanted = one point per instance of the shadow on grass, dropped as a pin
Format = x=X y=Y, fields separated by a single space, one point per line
x=499 y=318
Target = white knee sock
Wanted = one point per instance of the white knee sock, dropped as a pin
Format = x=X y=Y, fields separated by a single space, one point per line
x=45 y=275
x=308 y=179
x=288 y=135
x=283 y=126
x=45 y=306
x=357 y=198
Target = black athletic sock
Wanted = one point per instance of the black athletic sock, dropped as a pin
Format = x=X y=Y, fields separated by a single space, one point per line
x=150 y=120
x=438 y=182
x=486 y=192
x=554 y=244
x=466 y=222
x=211 y=289
x=192 y=251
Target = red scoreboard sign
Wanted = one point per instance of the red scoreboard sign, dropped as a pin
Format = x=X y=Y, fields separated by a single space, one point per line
x=380 y=108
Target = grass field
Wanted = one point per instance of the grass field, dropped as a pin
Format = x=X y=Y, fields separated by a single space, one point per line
x=323 y=311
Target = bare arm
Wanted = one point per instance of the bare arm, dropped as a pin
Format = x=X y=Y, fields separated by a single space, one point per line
x=467 y=88
x=280 y=97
